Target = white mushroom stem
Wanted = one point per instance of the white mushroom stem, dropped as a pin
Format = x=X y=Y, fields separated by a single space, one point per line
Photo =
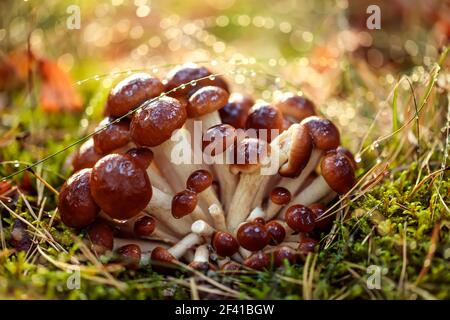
x=160 y=206
x=202 y=228
x=201 y=254
x=189 y=256
x=157 y=180
x=223 y=261
x=312 y=193
x=244 y=252
x=219 y=217
x=174 y=159
x=294 y=184
x=226 y=179
x=249 y=183
x=145 y=245
x=291 y=244
x=185 y=244
x=256 y=213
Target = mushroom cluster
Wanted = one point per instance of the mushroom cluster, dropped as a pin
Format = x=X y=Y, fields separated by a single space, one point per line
x=263 y=208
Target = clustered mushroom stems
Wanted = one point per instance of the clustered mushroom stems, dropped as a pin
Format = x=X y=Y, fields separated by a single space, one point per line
x=135 y=201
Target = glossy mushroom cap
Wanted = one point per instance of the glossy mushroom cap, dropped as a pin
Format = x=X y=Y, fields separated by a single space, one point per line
x=300 y=218
x=349 y=155
x=130 y=256
x=235 y=112
x=324 y=133
x=183 y=203
x=264 y=116
x=131 y=92
x=206 y=100
x=184 y=74
x=75 y=204
x=144 y=227
x=199 y=180
x=307 y=245
x=253 y=236
x=113 y=137
x=224 y=244
x=202 y=266
x=120 y=186
x=85 y=156
x=231 y=267
x=280 y=196
x=248 y=155
x=155 y=123
x=218 y=139
x=101 y=236
x=257 y=261
x=337 y=170
x=276 y=231
x=301 y=146
x=282 y=254
x=318 y=210
x=142 y=156
x=295 y=107
x=162 y=260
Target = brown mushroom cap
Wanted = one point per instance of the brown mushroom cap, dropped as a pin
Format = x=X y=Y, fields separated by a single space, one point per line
x=144 y=226
x=130 y=256
x=199 y=180
x=162 y=260
x=280 y=196
x=218 y=138
x=202 y=266
x=142 y=156
x=295 y=107
x=307 y=245
x=184 y=74
x=235 y=112
x=319 y=210
x=300 y=218
x=324 y=133
x=253 y=236
x=276 y=231
x=224 y=244
x=206 y=100
x=112 y=137
x=75 y=204
x=85 y=156
x=349 y=155
x=101 y=236
x=231 y=267
x=120 y=186
x=257 y=261
x=155 y=123
x=132 y=91
x=183 y=203
x=337 y=170
x=301 y=146
x=282 y=254
x=248 y=154
x=264 y=116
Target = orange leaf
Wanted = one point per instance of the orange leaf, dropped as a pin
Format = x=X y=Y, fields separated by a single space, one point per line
x=57 y=93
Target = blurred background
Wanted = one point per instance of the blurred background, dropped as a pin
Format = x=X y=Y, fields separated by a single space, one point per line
x=58 y=59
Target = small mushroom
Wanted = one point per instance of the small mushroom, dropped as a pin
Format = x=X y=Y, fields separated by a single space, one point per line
x=235 y=112
x=280 y=196
x=101 y=236
x=307 y=245
x=130 y=256
x=75 y=204
x=276 y=231
x=266 y=120
x=257 y=261
x=199 y=181
x=283 y=254
x=253 y=236
x=300 y=218
x=201 y=260
x=322 y=221
x=184 y=203
x=144 y=226
x=224 y=244
x=295 y=108
x=112 y=137
x=85 y=156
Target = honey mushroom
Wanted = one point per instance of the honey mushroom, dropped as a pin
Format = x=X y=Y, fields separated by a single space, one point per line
x=85 y=156
x=223 y=242
x=152 y=126
x=295 y=108
x=266 y=117
x=111 y=135
x=201 y=260
x=130 y=256
x=235 y=112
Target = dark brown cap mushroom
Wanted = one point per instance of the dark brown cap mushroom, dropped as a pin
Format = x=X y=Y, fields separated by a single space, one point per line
x=162 y=260
x=349 y=155
x=155 y=123
x=307 y=245
x=145 y=226
x=280 y=196
x=199 y=180
x=337 y=170
x=114 y=136
x=182 y=77
x=257 y=261
x=284 y=254
x=142 y=156
x=101 y=236
x=295 y=107
x=206 y=100
x=324 y=133
x=249 y=153
x=120 y=186
x=301 y=146
x=253 y=236
x=322 y=221
x=76 y=205
x=235 y=112
x=85 y=156
x=224 y=244
x=183 y=203
x=130 y=256
x=132 y=91
x=218 y=139
x=264 y=116
x=276 y=231
x=300 y=218
x=230 y=267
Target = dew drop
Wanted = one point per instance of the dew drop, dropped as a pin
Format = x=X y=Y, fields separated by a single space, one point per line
x=212 y=77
